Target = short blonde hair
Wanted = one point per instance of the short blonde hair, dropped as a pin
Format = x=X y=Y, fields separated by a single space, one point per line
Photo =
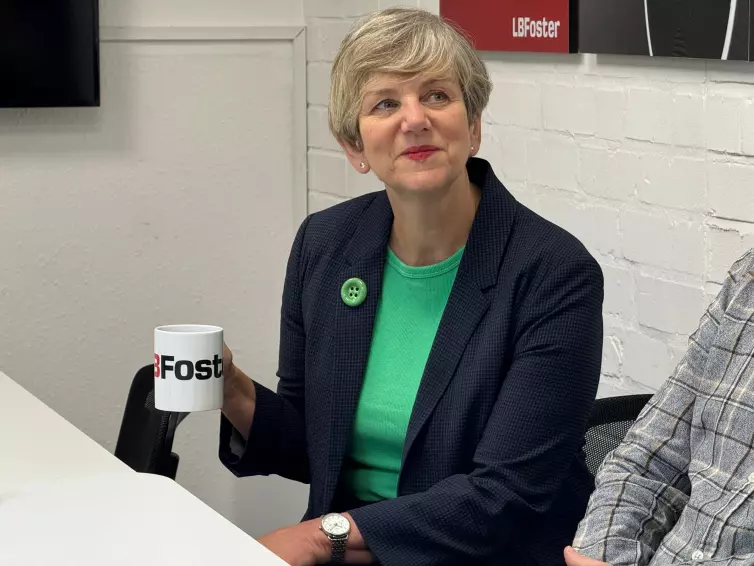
x=404 y=41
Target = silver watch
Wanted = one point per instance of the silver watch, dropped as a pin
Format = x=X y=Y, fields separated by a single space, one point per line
x=337 y=527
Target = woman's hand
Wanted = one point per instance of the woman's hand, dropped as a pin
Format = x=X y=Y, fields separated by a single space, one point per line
x=239 y=394
x=229 y=372
x=299 y=545
x=573 y=558
x=305 y=544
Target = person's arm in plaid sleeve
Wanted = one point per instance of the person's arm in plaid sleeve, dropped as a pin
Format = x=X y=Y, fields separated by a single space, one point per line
x=643 y=487
x=740 y=560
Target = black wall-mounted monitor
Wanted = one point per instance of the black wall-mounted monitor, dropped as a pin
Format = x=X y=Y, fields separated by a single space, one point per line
x=49 y=53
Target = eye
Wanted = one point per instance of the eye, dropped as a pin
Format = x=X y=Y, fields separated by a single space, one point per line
x=438 y=96
x=386 y=105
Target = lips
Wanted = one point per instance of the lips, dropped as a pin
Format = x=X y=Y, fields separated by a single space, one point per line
x=420 y=152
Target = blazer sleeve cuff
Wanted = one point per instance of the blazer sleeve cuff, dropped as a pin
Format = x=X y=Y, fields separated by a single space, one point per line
x=237 y=454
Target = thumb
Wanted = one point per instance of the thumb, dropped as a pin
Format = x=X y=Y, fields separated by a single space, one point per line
x=573 y=558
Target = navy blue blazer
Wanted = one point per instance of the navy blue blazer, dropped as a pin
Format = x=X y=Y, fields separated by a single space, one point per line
x=492 y=467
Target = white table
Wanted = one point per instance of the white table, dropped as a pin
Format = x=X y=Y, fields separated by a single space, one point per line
x=65 y=500
x=38 y=444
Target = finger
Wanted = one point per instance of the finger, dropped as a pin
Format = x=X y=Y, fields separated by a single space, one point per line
x=359 y=557
x=573 y=558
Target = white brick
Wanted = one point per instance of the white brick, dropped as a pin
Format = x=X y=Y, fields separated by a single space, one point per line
x=383 y=4
x=327 y=173
x=620 y=291
x=318 y=85
x=529 y=199
x=518 y=190
x=552 y=206
x=731 y=190
x=641 y=68
x=612 y=355
x=506 y=151
x=569 y=109
x=688 y=120
x=670 y=307
x=725 y=247
x=611 y=114
x=318 y=134
x=489 y=146
x=649 y=115
x=614 y=387
x=647 y=360
x=609 y=174
x=722 y=118
x=594 y=226
x=516 y=104
x=747 y=126
x=598 y=229
x=512 y=67
x=711 y=290
x=430 y=5
x=361 y=183
x=662 y=241
x=553 y=162
x=321 y=201
x=730 y=72
x=323 y=38
x=674 y=183
x=338 y=8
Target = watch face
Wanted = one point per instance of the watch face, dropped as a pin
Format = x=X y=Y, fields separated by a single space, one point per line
x=335 y=524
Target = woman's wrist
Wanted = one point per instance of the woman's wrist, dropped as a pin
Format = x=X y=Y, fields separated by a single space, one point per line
x=239 y=400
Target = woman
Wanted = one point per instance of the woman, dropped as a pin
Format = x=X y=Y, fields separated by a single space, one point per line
x=440 y=343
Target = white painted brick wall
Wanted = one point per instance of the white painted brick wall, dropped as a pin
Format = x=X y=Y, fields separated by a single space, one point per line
x=610 y=174
x=688 y=119
x=610 y=113
x=731 y=189
x=668 y=306
x=723 y=121
x=649 y=115
x=660 y=239
x=649 y=162
x=552 y=161
x=517 y=104
x=570 y=109
x=673 y=181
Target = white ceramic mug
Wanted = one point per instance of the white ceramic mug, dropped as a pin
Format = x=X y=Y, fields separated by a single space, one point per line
x=188 y=368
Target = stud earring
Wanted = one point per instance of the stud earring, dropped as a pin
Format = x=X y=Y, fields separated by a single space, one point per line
x=362 y=165
x=472 y=148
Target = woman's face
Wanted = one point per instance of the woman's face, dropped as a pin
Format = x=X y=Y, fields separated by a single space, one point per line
x=415 y=133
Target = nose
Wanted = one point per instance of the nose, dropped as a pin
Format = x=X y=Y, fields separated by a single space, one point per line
x=415 y=117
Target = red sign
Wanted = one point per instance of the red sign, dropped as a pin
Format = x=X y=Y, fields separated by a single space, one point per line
x=512 y=25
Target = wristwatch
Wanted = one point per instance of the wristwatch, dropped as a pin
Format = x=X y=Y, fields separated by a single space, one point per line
x=337 y=527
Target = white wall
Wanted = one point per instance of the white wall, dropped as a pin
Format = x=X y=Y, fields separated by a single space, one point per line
x=648 y=162
x=176 y=201
x=200 y=13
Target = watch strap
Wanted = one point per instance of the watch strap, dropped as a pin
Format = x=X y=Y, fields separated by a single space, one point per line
x=338 y=549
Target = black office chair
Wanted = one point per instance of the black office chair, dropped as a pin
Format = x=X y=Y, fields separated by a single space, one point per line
x=608 y=424
x=145 y=440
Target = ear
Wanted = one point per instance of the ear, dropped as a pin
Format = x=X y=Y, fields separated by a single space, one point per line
x=355 y=156
x=475 y=133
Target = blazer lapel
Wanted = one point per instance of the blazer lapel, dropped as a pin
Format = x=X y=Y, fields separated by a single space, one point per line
x=364 y=258
x=468 y=299
x=465 y=308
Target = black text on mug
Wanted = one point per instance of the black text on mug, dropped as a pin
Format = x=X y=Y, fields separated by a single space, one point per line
x=185 y=370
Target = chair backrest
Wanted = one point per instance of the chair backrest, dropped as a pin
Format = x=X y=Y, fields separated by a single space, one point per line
x=608 y=424
x=145 y=440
